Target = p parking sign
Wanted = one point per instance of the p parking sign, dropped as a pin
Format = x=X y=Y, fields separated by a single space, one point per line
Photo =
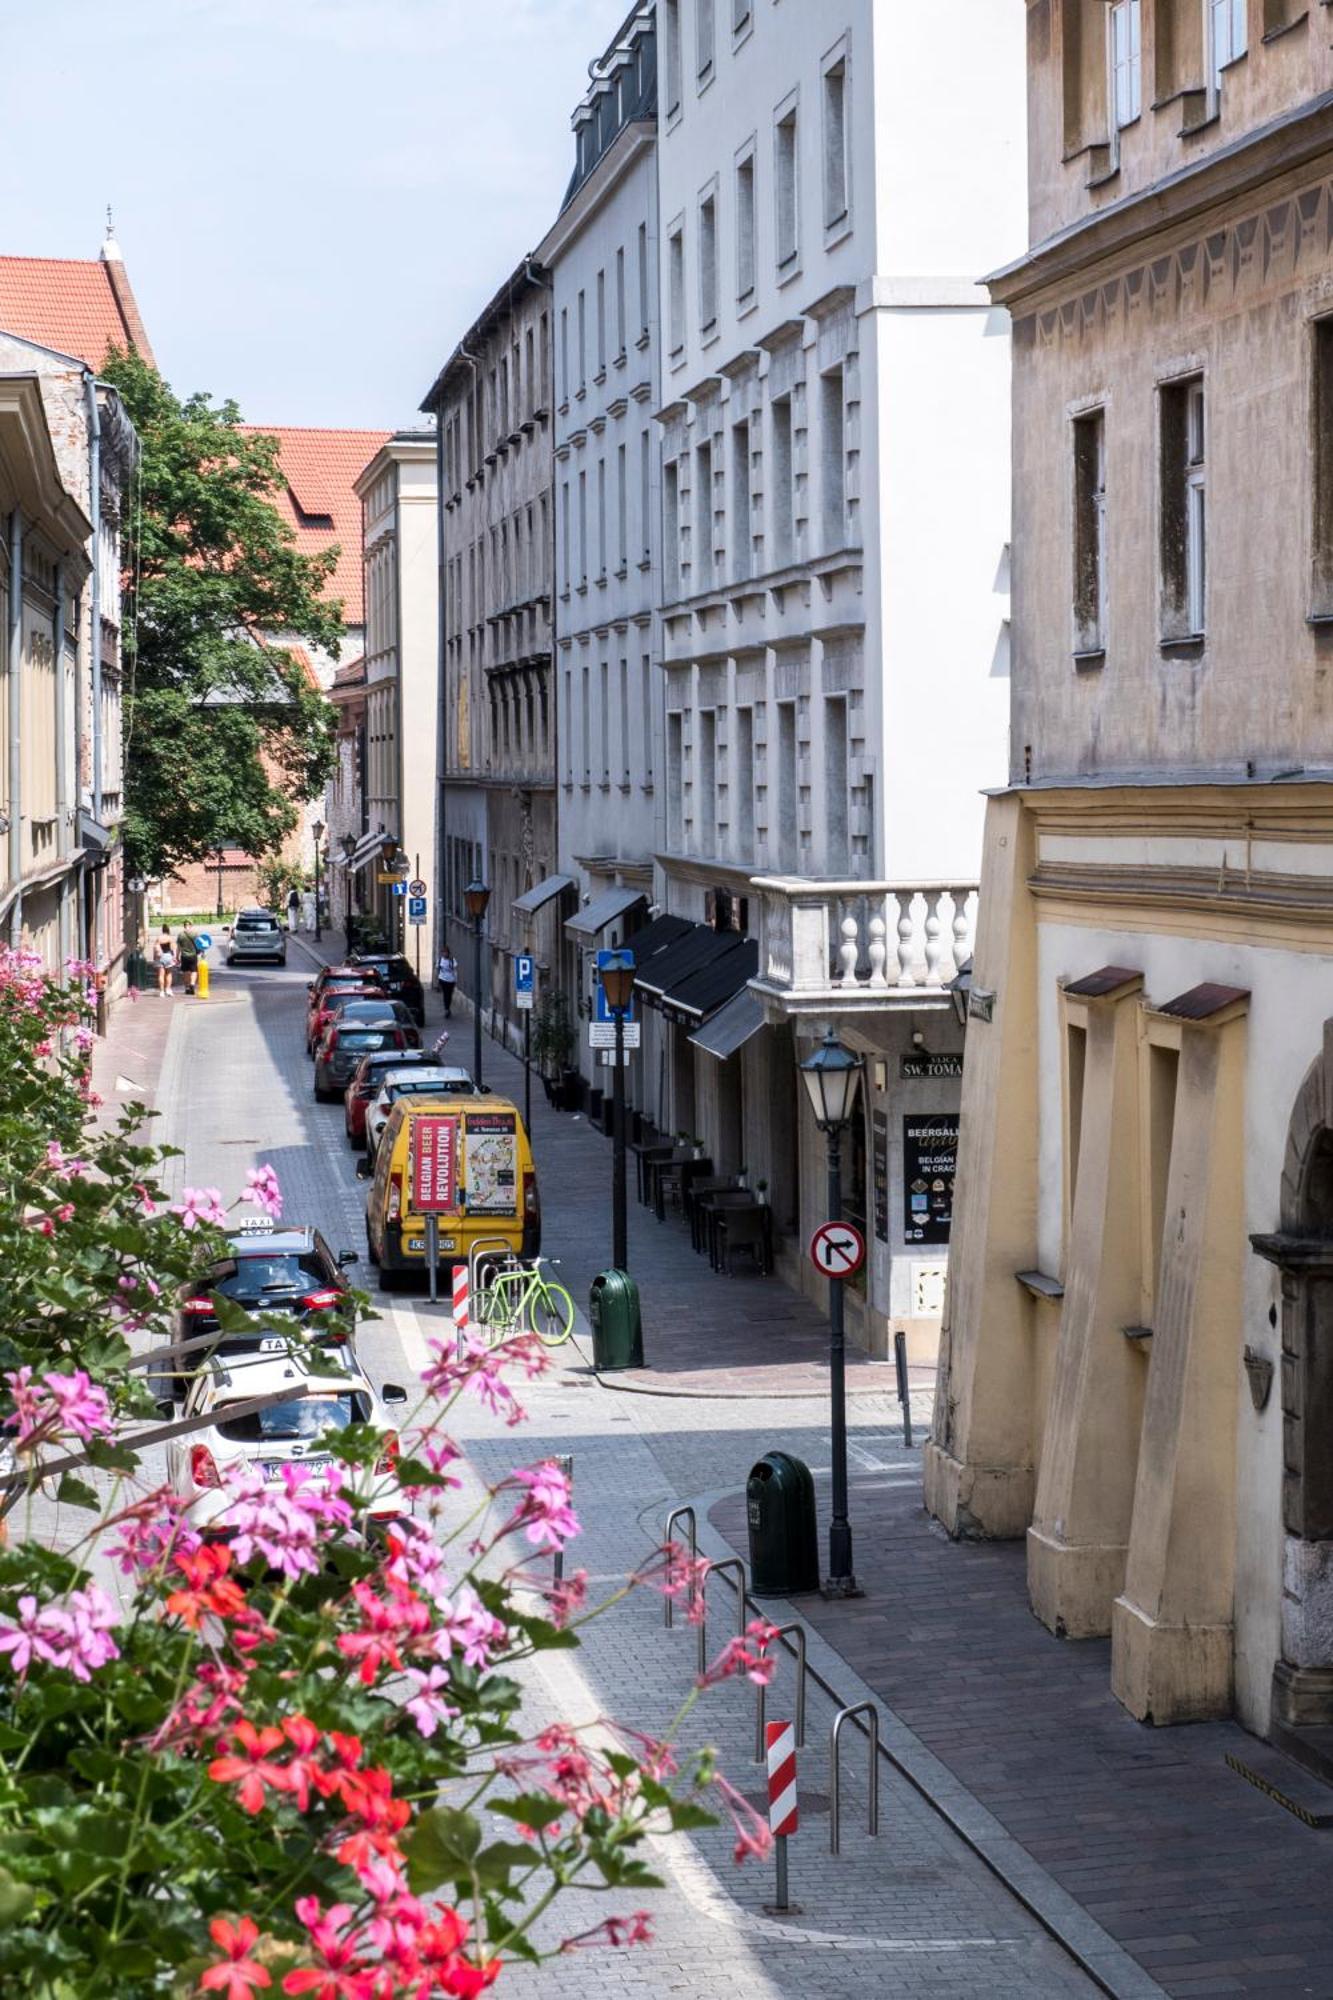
x=525 y=979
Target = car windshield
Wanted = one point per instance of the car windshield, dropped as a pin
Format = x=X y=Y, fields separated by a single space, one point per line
x=423 y=1086
x=363 y=1038
x=250 y=1278
x=368 y=1010
x=255 y=924
x=297 y=1420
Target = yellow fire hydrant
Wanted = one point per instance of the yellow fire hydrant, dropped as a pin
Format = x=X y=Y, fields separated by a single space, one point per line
x=201 y=979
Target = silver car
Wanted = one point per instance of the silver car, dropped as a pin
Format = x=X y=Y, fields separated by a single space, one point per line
x=425 y=1080
x=257 y=935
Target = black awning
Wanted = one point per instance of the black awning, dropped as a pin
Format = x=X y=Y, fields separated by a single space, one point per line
x=688 y=952
x=657 y=936
x=715 y=981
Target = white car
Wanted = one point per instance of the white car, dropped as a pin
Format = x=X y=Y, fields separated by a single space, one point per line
x=257 y=935
x=423 y=1080
x=289 y=1432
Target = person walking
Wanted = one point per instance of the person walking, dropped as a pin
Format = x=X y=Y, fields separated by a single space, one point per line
x=187 y=952
x=446 y=978
x=293 y=910
x=164 y=953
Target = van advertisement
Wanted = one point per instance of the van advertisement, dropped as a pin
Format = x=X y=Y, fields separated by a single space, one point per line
x=492 y=1163
x=434 y=1165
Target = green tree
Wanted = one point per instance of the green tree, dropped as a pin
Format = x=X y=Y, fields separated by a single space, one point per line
x=224 y=736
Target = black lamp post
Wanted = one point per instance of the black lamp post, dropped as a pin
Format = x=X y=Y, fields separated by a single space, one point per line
x=475 y=898
x=318 y=831
x=221 y=858
x=832 y=1075
x=348 y=846
x=618 y=986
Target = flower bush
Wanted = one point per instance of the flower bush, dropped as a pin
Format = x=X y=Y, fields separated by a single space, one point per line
x=290 y=1758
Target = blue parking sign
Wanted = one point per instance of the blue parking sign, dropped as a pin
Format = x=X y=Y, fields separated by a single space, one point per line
x=525 y=973
x=416 y=909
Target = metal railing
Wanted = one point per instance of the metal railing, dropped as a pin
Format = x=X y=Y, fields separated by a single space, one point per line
x=680 y=1514
x=835 y=1799
x=795 y=1631
x=727 y=1564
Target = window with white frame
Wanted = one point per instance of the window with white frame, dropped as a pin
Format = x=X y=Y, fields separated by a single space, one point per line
x=671 y=37
x=1227 y=36
x=676 y=290
x=837 y=162
x=1124 y=53
x=745 y=227
x=703 y=39
x=1183 y=509
x=785 y=188
x=708 y=262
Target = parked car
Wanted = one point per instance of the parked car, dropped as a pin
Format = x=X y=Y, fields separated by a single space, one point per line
x=495 y=1187
x=327 y=1004
x=255 y=936
x=425 y=1080
x=271 y=1267
x=290 y=1431
x=366 y=1078
x=398 y=977
x=347 y=1040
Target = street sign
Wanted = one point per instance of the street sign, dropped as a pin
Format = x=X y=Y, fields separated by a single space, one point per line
x=416 y=909
x=417 y=888
x=838 y=1249
x=602 y=1034
x=525 y=979
x=204 y=940
x=391 y=881
x=434 y=1164
x=603 y=1013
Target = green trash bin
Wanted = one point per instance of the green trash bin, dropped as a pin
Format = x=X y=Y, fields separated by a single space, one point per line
x=617 y=1330
x=780 y=1510
x=138 y=974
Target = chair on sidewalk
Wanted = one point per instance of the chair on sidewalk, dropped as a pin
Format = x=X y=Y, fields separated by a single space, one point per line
x=745 y=1229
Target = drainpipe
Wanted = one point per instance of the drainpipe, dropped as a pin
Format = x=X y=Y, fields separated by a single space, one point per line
x=95 y=516
x=62 y=754
x=441 y=720
x=16 y=723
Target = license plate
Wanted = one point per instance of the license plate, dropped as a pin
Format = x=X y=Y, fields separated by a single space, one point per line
x=415 y=1246
x=273 y=1469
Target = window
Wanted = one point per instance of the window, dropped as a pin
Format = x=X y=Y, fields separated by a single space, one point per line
x=605 y=678
x=646 y=718
x=745 y=227
x=787 y=825
x=1183 y=510
x=583 y=531
x=583 y=343
x=785 y=188
x=781 y=496
x=567 y=728
x=671 y=28
x=743 y=787
x=620 y=302
x=835 y=785
x=1321 y=604
x=708 y=263
x=671 y=529
x=587 y=727
x=624 y=723
x=601 y=520
x=705 y=787
x=1090 y=533
x=646 y=495
x=837 y=167
x=741 y=14
x=703 y=35
x=740 y=500
x=622 y=508
x=703 y=517
x=676 y=289
x=833 y=459
x=601 y=324
x=1227 y=37
x=643 y=280
x=1122 y=27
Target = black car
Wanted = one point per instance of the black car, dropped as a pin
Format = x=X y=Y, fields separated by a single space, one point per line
x=398 y=978
x=272 y=1268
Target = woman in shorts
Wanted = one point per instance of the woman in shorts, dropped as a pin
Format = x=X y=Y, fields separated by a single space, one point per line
x=164 y=953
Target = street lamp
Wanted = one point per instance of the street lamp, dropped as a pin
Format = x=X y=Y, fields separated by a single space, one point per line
x=832 y=1075
x=318 y=831
x=959 y=989
x=618 y=986
x=348 y=846
x=221 y=858
x=475 y=898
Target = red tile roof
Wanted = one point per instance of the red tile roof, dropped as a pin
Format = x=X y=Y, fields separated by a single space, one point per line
x=78 y=306
x=320 y=503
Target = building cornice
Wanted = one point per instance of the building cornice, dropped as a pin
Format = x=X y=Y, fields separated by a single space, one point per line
x=630 y=145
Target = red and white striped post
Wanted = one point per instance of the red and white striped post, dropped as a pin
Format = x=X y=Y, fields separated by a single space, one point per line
x=783 y=1815
x=460 y=1304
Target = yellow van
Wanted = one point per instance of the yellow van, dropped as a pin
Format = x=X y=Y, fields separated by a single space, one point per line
x=476 y=1152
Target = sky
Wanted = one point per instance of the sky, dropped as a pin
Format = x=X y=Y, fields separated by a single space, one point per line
x=314 y=198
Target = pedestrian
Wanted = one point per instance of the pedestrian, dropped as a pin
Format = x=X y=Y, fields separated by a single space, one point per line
x=188 y=955
x=446 y=978
x=293 y=910
x=164 y=952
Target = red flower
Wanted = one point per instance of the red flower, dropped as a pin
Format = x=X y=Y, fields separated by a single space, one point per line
x=252 y=1771
x=340 y=1973
x=467 y=1980
x=211 y=1589
x=302 y=1769
x=238 y=1976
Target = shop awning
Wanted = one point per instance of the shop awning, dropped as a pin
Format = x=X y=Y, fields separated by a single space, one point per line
x=703 y=991
x=541 y=894
x=369 y=845
x=655 y=937
x=685 y=955
x=593 y=919
x=731 y=1027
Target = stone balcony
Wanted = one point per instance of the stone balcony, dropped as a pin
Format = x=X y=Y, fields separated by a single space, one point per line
x=828 y=947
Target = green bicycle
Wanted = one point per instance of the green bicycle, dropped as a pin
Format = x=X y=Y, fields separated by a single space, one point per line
x=519 y=1298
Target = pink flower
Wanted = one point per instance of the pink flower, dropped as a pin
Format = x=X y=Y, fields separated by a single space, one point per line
x=340 y=1974
x=30 y=1639
x=467 y=1627
x=748 y=1654
x=416 y=1559
x=544 y=1513
x=82 y=1404
x=75 y=1636
x=283 y=1521
x=427 y=1706
x=636 y=1929
x=564 y=1600
x=440 y=1453
x=238 y=1974
x=480 y=1368
x=261 y=1188
x=63 y=1165
x=198 y=1205
x=151 y=1531
x=752 y=1835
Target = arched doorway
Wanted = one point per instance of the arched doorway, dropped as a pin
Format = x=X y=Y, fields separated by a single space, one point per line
x=1302 y=1250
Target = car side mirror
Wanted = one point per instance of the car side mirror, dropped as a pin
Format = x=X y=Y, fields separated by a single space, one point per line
x=363 y=1168
x=393 y=1392
x=166 y=1409
x=310 y=986
x=347 y=1257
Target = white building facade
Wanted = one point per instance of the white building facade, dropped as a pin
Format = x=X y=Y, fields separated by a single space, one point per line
x=601 y=254
x=835 y=505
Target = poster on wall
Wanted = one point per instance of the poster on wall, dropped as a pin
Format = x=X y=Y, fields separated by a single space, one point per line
x=930 y=1161
x=879 y=1164
x=492 y=1163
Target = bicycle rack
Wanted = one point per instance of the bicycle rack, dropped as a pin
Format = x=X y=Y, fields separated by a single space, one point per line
x=797 y=1631
x=485 y=1246
x=727 y=1563
x=872 y=1817
x=565 y=1460
x=680 y=1514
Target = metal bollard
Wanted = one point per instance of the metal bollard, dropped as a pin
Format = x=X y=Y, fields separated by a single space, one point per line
x=904 y=1393
x=835 y=1802
x=716 y=1569
x=565 y=1460
x=680 y=1514
x=797 y=1631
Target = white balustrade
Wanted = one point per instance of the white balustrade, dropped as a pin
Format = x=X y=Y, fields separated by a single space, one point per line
x=834 y=937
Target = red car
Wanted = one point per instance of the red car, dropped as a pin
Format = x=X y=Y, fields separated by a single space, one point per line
x=325 y=1006
x=366 y=1081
